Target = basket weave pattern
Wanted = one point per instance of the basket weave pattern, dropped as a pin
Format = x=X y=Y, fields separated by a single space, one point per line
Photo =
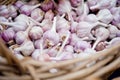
x=76 y=69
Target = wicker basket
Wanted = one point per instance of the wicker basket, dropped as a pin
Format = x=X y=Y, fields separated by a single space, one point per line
x=28 y=69
x=11 y=68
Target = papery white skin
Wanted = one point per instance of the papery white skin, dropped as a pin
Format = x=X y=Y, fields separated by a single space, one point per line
x=103 y=4
x=64 y=6
x=12 y=11
x=52 y=52
x=26 y=48
x=105 y=16
x=51 y=37
x=116 y=16
x=80 y=46
x=3 y=19
x=92 y=2
x=69 y=48
x=63 y=45
x=118 y=34
x=27 y=9
x=37 y=14
x=63 y=33
x=20 y=23
x=101 y=34
x=84 y=29
x=22 y=36
x=49 y=15
x=39 y=54
x=36 y=32
x=18 y=55
x=62 y=23
x=46 y=24
x=37 y=42
x=82 y=11
x=2 y=7
x=73 y=39
x=4 y=12
x=113 y=31
x=91 y=18
x=19 y=4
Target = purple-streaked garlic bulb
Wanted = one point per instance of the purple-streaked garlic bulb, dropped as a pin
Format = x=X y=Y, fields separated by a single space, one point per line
x=63 y=45
x=100 y=46
x=47 y=5
x=4 y=11
x=73 y=39
x=62 y=23
x=22 y=36
x=82 y=10
x=49 y=15
x=52 y=52
x=63 y=33
x=116 y=16
x=92 y=2
x=19 y=4
x=75 y=3
x=51 y=37
x=8 y=34
x=103 y=4
x=26 y=48
x=36 y=32
x=37 y=14
x=91 y=18
x=12 y=11
x=3 y=19
x=36 y=54
x=38 y=42
x=39 y=54
x=46 y=24
x=73 y=26
x=101 y=34
x=20 y=23
x=17 y=26
x=27 y=9
x=64 y=7
x=84 y=29
x=105 y=16
x=113 y=31
x=69 y=48
x=2 y=7
x=118 y=34
x=80 y=46
x=18 y=55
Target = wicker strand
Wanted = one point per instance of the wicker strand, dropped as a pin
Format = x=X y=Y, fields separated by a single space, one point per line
x=10 y=57
x=84 y=72
x=32 y=72
x=105 y=53
x=110 y=67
